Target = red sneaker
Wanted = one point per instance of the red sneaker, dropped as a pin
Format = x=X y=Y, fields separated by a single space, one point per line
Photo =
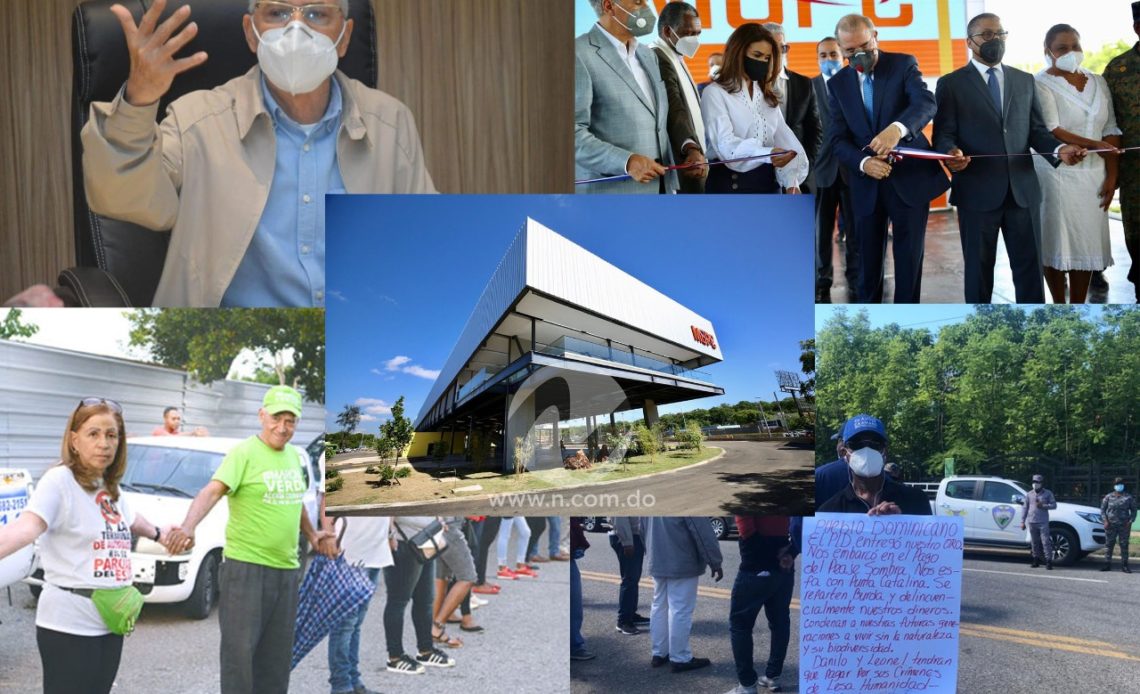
x=526 y=571
x=506 y=574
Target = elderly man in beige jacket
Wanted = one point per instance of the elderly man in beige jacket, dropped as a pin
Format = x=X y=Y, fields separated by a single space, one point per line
x=239 y=172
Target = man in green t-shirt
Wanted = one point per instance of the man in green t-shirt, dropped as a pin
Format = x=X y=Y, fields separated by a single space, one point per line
x=263 y=478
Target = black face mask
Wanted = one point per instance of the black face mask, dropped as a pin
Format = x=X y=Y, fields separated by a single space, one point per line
x=757 y=70
x=992 y=51
x=863 y=61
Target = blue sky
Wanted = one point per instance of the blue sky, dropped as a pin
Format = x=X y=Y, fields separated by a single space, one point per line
x=404 y=273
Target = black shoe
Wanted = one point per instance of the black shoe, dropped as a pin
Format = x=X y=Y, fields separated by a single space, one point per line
x=582 y=654
x=1125 y=569
x=1035 y=564
x=627 y=628
x=1107 y=567
x=692 y=664
x=659 y=660
x=638 y=620
x=1049 y=566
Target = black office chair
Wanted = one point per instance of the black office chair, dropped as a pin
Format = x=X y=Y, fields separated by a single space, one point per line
x=119 y=263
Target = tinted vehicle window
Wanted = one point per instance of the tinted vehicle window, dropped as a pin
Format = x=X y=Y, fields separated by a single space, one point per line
x=169 y=471
x=998 y=492
x=960 y=490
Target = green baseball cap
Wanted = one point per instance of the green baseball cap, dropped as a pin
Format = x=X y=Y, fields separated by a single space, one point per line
x=282 y=399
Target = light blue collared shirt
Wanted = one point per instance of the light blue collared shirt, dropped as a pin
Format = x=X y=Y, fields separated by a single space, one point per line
x=285 y=262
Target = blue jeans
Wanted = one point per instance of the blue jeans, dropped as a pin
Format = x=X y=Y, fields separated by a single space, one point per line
x=344 y=646
x=750 y=593
x=577 y=643
x=630 y=568
x=554 y=534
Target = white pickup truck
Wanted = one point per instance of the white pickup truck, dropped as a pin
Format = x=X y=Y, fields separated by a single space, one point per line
x=991 y=507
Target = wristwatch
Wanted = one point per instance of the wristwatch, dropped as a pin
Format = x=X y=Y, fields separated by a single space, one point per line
x=157 y=533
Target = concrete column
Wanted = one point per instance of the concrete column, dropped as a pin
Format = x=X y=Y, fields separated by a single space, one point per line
x=649 y=411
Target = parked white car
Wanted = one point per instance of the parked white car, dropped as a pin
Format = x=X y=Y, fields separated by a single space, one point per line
x=991 y=509
x=163 y=475
x=15 y=490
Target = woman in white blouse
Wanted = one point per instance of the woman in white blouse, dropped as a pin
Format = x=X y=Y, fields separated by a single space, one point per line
x=1077 y=107
x=742 y=119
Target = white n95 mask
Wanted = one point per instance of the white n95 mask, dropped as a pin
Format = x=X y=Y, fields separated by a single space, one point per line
x=296 y=58
x=866 y=462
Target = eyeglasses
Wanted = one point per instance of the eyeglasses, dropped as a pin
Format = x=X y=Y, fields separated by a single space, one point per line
x=879 y=446
x=988 y=35
x=278 y=14
x=92 y=402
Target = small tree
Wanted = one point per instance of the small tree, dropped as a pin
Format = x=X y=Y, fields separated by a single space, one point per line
x=524 y=453
x=649 y=439
x=691 y=436
x=384 y=447
x=398 y=430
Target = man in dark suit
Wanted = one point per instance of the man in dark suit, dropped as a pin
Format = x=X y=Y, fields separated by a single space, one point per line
x=797 y=104
x=678 y=37
x=989 y=108
x=831 y=190
x=877 y=102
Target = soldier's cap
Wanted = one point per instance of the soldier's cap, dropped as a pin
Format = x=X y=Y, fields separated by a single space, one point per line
x=1038 y=478
x=282 y=399
x=860 y=423
x=1120 y=480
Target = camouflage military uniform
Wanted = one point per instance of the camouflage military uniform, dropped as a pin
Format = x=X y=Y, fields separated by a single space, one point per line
x=1119 y=512
x=1123 y=77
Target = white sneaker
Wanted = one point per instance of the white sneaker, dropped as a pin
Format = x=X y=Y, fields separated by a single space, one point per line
x=477 y=602
x=772 y=684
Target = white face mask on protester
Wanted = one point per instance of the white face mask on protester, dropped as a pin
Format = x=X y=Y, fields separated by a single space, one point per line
x=296 y=58
x=1069 y=62
x=866 y=462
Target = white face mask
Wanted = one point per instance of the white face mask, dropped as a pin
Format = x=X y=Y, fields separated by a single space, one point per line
x=686 y=45
x=1069 y=62
x=714 y=71
x=296 y=58
x=866 y=462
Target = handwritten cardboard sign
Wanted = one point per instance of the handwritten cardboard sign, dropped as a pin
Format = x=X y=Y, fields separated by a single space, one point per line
x=880 y=600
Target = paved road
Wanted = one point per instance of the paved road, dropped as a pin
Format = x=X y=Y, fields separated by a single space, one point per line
x=751 y=477
x=1023 y=630
x=523 y=648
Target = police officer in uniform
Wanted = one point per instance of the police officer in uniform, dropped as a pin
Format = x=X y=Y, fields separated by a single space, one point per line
x=1118 y=509
x=1035 y=512
x=1123 y=76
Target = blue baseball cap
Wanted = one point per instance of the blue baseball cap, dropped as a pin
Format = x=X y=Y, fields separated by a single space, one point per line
x=859 y=424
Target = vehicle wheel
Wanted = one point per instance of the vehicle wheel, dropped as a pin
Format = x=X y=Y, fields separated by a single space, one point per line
x=718 y=527
x=589 y=523
x=201 y=601
x=1066 y=549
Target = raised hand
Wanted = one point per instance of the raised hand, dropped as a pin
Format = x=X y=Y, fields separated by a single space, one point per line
x=152 y=47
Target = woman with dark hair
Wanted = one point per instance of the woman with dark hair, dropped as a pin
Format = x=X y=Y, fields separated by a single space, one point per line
x=743 y=119
x=84 y=527
x=1077 y=108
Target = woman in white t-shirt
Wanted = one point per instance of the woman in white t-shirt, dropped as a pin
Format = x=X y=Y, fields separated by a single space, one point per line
x=84 y=527
x=743 y=119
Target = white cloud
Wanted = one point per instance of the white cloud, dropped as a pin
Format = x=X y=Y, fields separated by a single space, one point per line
x=369 y=418
x=396 y=362
x=372 y=406
x=430 y=374
x=338 y=295
x=378 y=372
x=402 y=364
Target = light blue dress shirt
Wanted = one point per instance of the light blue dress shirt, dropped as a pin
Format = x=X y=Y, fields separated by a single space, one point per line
x=285 y=262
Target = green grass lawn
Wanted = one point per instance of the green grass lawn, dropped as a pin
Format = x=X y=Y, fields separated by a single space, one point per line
x=362 y=488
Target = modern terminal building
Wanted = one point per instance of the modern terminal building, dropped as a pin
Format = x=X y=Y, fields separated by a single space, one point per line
x=560 y=334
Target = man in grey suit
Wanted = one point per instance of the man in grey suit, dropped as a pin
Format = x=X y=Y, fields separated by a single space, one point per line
x=989 y=108
x=832 y=192
x=620 y=105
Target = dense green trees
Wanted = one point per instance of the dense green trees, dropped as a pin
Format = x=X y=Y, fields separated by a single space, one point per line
x=1055 y=380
